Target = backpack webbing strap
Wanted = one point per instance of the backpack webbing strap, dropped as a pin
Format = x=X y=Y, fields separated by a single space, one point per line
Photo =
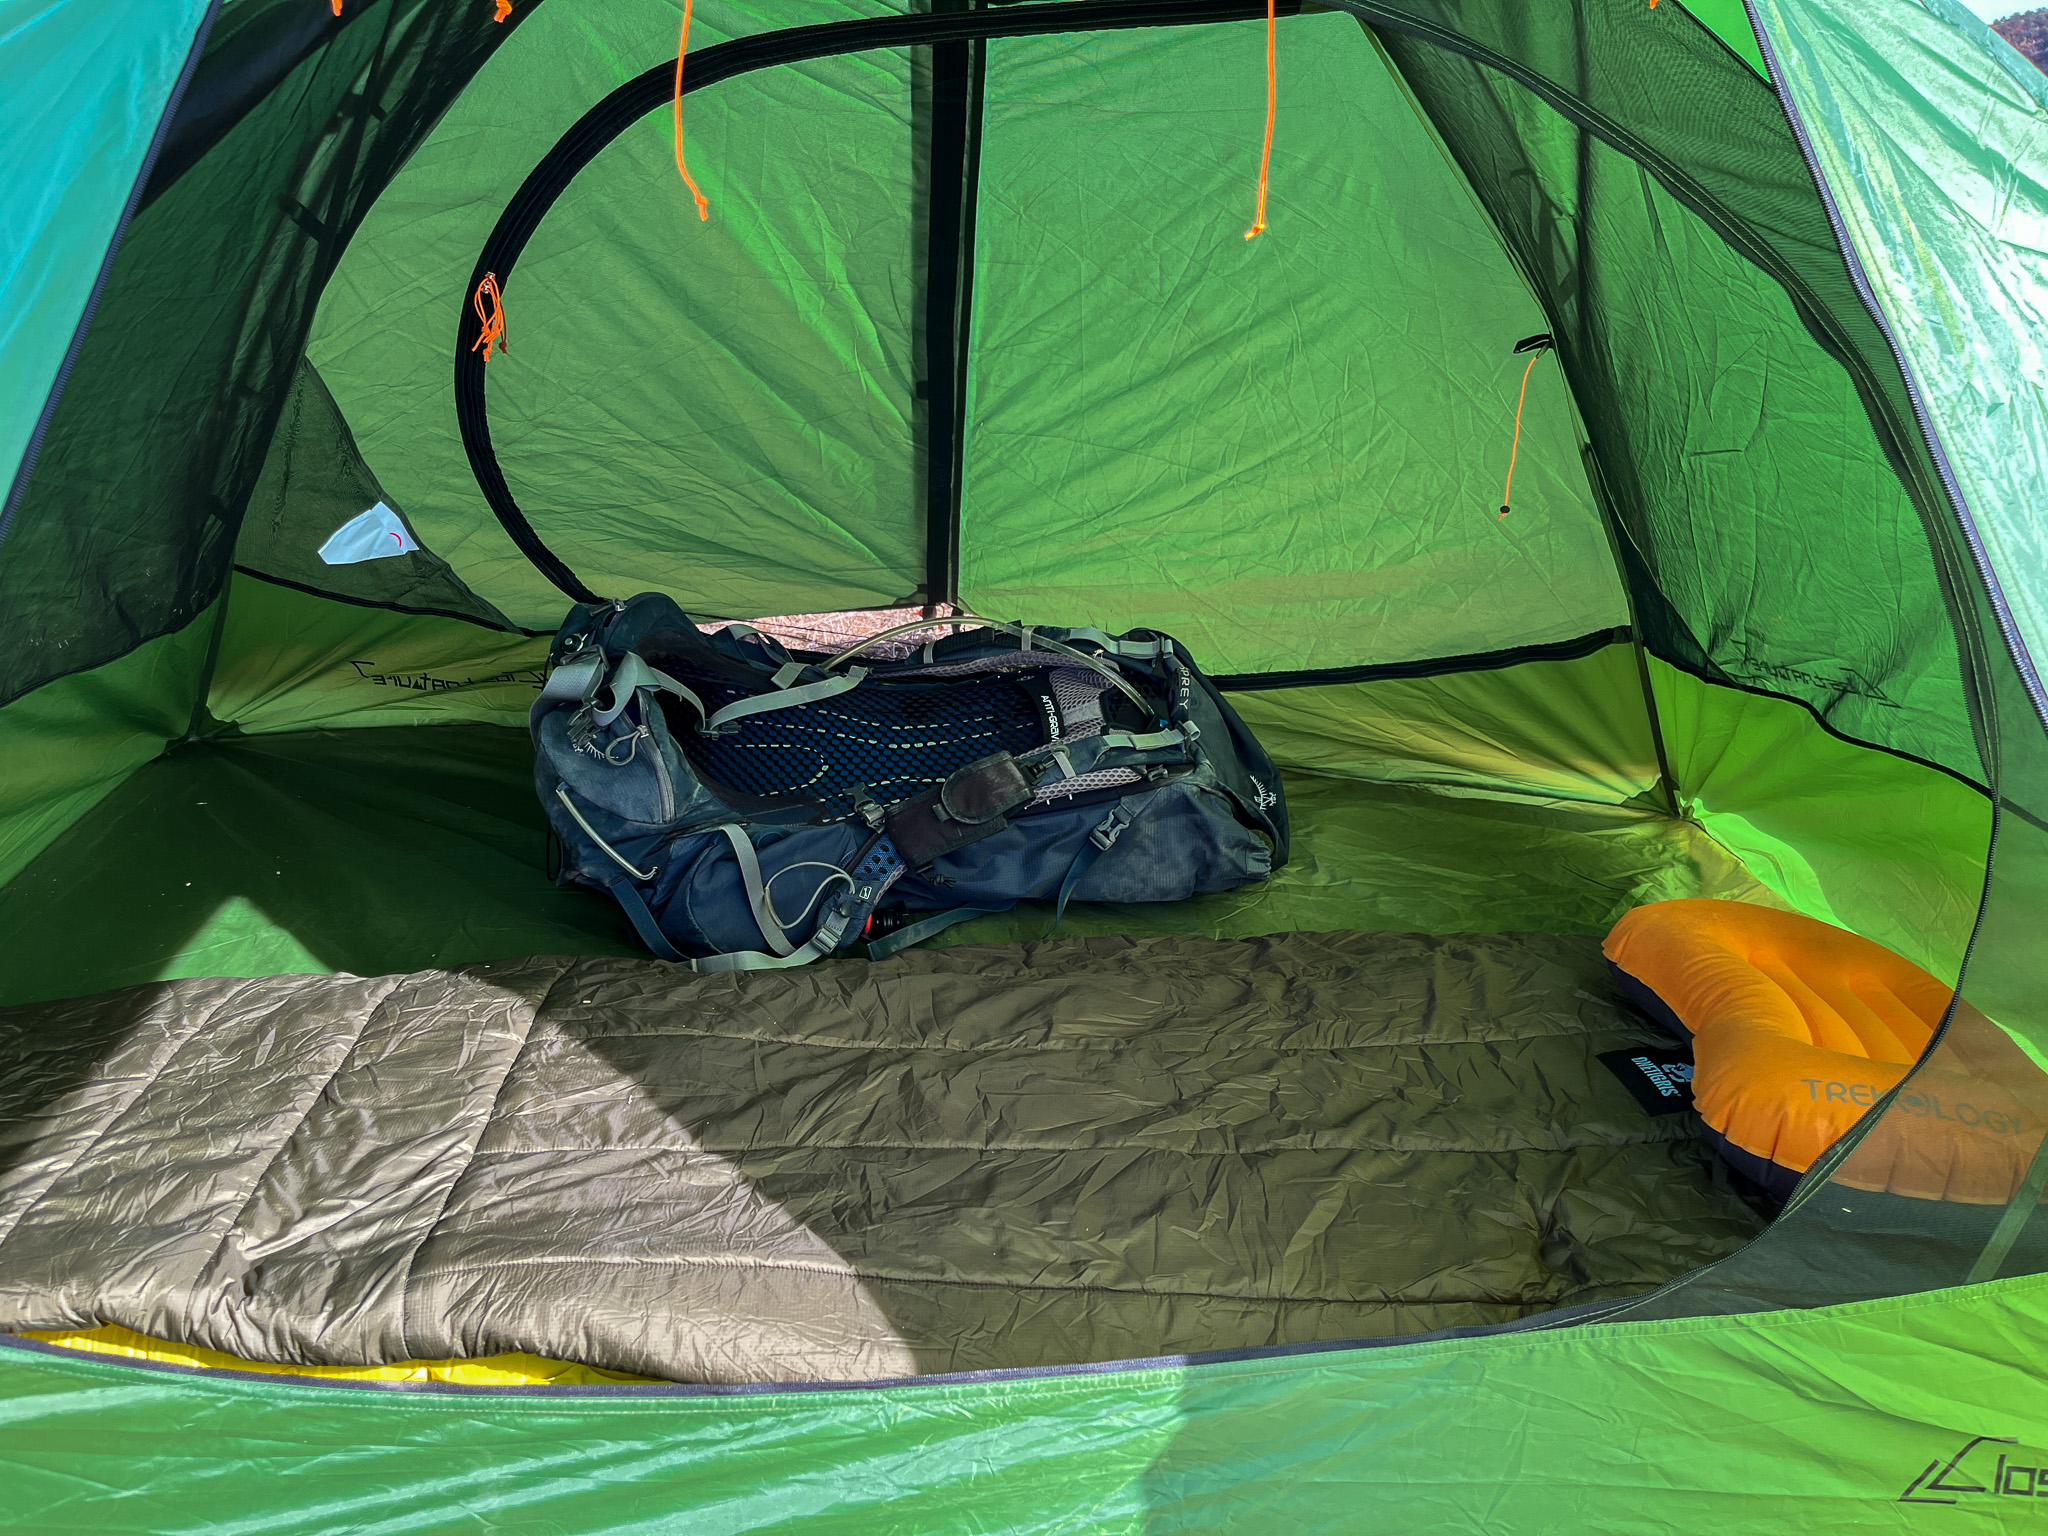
x=924 y=928
x=635 y=907
x=823 y=942
x=631 y=675
x=1100 y=841
x=872 y=874
x=782 y=698
x=572 y=683
x=1151 y=741
x=757 y=893
x=1137 y=650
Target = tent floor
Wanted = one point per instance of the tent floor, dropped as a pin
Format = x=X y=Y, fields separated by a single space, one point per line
x=1475 y=1164
x=396 y=849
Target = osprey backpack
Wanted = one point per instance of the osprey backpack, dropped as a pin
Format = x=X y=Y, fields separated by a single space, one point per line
x=749 y=807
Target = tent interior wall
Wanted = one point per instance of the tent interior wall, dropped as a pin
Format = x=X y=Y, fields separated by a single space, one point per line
x=972 y=322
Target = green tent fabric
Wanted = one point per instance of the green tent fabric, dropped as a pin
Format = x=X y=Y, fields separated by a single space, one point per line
x=1356 y=379
x=973 y=322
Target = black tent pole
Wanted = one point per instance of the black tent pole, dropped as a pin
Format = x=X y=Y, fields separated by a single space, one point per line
x=957 y=69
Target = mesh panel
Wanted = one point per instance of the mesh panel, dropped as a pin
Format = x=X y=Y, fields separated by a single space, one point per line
x=1747 y=425
x=128 y=525
x=312 y=482
x=896 y=741
x=1079 y=697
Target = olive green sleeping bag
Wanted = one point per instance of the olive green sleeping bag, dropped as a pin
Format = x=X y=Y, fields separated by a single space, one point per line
x=988 y=1156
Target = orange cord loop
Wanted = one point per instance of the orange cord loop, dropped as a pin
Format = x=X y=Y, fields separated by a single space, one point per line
x=1537 y=346
x=491 y=322
x=682 y=50
x=1272 y=105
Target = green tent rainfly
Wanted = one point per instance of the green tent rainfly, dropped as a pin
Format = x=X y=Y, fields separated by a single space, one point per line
x=342 y=344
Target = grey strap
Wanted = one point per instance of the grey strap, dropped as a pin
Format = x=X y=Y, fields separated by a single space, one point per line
x=572 y=683
x=785 y=698
x=1136 y=649
x=830 y=931
x=1031 y=637
x=1153 y=740
x=631 y=675
x=757 y=890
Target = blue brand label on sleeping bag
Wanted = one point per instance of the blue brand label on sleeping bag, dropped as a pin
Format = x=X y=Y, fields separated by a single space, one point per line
x=1659 y=1077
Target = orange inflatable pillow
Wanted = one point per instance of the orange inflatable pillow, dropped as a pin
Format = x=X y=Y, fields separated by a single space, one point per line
x=1799 y=1027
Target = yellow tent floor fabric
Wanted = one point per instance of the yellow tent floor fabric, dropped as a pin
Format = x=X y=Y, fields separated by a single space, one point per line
x=514 y=1370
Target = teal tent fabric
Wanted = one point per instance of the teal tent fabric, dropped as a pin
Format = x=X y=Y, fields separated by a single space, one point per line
x=1936 y=156
x=87 y=82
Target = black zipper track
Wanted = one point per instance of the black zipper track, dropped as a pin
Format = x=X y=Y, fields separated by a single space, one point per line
x=1434 y=666
x=654 y=88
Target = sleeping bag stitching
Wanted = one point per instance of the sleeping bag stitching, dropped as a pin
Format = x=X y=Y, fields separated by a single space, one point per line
x=533 y=1012
x=235 y=1220
x=195 y=1022
x=878 y=1277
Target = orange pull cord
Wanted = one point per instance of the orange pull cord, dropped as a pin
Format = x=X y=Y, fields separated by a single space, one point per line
x=335 y=5
x=491 y=322
x=1516 y=447
x=682 y=49
x=504 y=10
x=1272 y=104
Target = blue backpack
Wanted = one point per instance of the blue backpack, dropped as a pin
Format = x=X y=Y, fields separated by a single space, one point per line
x=751 y=808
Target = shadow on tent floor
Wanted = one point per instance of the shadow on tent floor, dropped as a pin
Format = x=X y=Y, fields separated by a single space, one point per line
x=385 y=850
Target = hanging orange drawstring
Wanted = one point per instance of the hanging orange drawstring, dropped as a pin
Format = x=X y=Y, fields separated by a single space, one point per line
x=1272 y=104
x=491 y=324
x=1535 y=346
x=682 y=49
x=335 y=5
x=504 y=10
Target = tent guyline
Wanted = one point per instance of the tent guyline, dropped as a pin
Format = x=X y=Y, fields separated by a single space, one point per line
x=1272 y=108
x=1265 y=153
x=682 y=167
x=1535 y=346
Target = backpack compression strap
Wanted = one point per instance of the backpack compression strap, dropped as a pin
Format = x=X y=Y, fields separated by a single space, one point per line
x=633 y=673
